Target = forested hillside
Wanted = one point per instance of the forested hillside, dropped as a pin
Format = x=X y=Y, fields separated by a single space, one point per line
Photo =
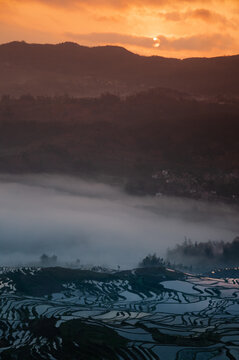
x=132 y=138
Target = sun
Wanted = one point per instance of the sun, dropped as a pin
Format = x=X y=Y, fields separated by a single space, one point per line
x=156 y=42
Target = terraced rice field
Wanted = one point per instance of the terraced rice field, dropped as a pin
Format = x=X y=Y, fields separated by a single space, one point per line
x=126 y=315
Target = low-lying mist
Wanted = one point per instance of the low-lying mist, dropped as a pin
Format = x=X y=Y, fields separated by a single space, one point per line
x=99 y=224
x=205 y=254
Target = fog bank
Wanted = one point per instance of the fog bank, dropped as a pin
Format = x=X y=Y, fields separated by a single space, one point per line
x=206 y=254
x=97 y=223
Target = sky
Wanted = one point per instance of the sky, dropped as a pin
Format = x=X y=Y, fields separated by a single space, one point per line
x=171 y=28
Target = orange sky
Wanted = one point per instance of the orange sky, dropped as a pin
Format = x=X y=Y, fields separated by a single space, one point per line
x=181 y=28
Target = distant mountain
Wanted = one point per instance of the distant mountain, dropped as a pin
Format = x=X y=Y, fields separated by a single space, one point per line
x=83 y=71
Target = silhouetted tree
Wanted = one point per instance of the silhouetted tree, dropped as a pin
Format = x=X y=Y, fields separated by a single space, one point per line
x=46 y=260
x=152 y=260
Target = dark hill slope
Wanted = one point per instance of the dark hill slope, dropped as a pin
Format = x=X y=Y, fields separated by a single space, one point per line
x=79 y=70
x=131 y=138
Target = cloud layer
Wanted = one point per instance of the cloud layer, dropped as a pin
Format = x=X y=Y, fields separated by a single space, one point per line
x=128 y=3
x=200 y=42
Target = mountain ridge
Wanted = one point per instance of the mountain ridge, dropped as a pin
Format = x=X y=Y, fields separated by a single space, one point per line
x=77 y=45
x=49 y=70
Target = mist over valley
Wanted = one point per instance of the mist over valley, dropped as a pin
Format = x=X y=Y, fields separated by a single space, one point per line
x=99 y=224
